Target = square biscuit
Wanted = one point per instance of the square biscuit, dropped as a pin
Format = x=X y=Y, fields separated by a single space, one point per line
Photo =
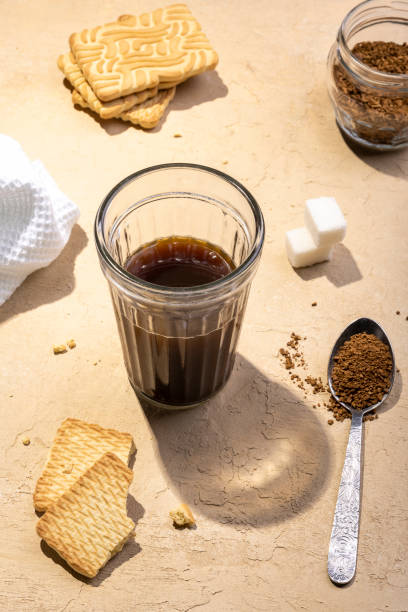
x=76 y=447
x=137 y=53
x=88 y=524
x=106 y=110
x=147 y=114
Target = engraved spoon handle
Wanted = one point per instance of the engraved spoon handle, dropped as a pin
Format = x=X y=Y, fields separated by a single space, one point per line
x=344 y=537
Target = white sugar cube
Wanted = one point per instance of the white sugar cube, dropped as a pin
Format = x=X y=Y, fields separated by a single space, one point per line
x=325 y=221
x=301 y=249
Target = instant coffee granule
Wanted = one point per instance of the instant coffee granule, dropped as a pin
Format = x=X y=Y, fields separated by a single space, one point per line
x=362 y=370
x=377 y=115
x=292 y=357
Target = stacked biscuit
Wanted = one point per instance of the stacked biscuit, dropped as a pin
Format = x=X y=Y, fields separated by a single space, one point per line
x=83 y=491
x=129 y=68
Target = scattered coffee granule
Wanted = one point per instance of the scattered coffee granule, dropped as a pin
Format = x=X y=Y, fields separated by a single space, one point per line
x=299 y=382
x=292 y=356
x=316 y=383
x=376 y=118
x=289 y=365
x=314 y=303
x=26 y=441
x=294 y=341
x=59 y=348
x=397 y=312
x=330 y=422
x=362 y=370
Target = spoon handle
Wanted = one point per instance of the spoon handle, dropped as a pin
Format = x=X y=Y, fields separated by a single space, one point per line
x=344 y=537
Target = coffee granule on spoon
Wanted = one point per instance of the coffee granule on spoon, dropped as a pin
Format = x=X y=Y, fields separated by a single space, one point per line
x=362 y=371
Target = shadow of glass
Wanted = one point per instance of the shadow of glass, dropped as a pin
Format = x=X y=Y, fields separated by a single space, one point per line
x=341 y=270
x=131 y=548
x=393 y=163
x=47 y=284
x=254 y=454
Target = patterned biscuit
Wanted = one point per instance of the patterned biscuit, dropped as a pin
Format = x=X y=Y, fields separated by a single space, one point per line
x=88 y=524
x=137 y=53
x=76 y=447
x=106 y=110
x=147 y=114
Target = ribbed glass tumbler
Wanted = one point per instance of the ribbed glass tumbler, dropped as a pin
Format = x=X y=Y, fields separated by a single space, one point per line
x=179 y=342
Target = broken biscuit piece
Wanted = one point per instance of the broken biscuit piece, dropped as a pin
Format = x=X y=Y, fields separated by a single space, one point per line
x=182 y=516
x=71 y=343
x=88 y=524
x=59 y=348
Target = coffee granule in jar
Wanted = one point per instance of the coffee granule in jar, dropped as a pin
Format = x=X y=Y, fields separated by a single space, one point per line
x=362 y=370
x=378 y=116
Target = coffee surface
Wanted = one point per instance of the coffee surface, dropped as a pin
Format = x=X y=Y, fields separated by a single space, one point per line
x=179 y=261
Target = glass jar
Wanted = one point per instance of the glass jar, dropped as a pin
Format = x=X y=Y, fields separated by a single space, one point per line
x=371 y=107
x=179 y=342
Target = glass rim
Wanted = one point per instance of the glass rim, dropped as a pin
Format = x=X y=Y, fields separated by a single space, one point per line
x=179 y=291
x=389 y=78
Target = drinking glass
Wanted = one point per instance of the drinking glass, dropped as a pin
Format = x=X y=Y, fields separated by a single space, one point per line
x=179 y=342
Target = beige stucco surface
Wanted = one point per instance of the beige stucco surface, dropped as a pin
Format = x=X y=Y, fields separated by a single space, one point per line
x=258 y=465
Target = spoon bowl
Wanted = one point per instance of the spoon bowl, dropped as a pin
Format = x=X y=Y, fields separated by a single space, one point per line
x=344 y=537
x=358 y=327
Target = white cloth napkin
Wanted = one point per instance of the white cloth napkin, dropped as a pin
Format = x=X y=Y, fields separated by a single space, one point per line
x=36 y=218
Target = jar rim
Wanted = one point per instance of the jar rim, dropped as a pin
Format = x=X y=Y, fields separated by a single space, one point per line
x=383 y=78
x=179 y=292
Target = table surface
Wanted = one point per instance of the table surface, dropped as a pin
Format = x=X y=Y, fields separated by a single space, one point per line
x=258 y=465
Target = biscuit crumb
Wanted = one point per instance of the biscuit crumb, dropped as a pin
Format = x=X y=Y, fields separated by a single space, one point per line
x=225 y=162
x=59 y=348
x=71 y=343
x=26 y=441
x=182 y=516
x=177 y=136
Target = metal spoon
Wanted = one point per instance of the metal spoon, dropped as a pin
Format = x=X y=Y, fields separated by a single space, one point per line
x=342 y=557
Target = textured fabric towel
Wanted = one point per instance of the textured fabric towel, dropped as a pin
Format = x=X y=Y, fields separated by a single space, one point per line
x=36 y=218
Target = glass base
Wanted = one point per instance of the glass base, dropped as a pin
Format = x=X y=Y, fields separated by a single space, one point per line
x=148 y=402
x=366 y=144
